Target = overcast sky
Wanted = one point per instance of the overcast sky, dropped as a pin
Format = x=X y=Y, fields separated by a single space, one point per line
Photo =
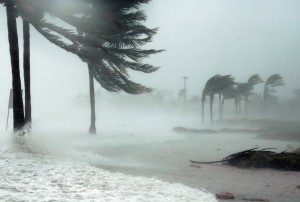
x=201 y=38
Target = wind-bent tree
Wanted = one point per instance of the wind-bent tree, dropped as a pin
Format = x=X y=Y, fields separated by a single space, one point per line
x=215 y=85
x=112 y=40
x=244 y=90
x=18 y=108
x=272 y=82
x=229 y=93
x=252 y=81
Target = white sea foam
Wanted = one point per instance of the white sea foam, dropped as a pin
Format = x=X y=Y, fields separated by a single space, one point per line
x=35 y=177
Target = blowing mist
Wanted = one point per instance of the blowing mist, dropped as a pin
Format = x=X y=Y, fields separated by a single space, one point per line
x=149 y=100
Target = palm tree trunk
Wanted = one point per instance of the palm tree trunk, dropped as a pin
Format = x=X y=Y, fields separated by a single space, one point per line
x=211 y=107
x=92 y=129
x=246 y=106
x=236 y=107
x=220 y=116
x=239 y=103
x=222 y=107
x=26 y=66
x=265 y=100
x=18 y=110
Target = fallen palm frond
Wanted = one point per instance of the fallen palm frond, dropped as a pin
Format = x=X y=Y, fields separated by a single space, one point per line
x=264 y=158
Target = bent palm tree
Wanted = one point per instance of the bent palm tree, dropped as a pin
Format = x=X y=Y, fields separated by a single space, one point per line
x=252 y=81
x=272 y=82
x=244 y=90
x=215 y=85
x=229 y=93
x=112 y=43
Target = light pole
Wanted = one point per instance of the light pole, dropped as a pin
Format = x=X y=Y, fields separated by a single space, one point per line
x=184 y=88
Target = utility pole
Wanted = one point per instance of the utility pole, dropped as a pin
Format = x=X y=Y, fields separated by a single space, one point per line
x=184 y=88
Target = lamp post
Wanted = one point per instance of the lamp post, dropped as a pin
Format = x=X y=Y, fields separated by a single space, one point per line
x=184 y=88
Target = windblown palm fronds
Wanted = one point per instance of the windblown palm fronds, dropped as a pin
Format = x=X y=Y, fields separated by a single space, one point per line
x=112 y=39
x=272 y=82
x=215 y=85
x=244 y=90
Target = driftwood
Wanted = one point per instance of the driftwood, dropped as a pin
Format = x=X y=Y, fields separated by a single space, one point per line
x=254 y=158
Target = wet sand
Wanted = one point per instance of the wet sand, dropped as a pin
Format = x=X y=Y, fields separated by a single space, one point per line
x=169 y=161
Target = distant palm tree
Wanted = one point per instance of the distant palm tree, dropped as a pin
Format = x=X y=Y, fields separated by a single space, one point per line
x=252 y=81
x=272 y=82
x=215 y=85
x=229 y=93
x=244 y=90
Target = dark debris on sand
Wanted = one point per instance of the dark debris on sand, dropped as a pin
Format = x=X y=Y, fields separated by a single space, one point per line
x=264 y=158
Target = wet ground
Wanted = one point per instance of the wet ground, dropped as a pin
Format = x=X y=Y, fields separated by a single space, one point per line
x=169 y=161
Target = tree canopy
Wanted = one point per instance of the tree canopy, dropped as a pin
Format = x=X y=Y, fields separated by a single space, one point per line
x=114 y=34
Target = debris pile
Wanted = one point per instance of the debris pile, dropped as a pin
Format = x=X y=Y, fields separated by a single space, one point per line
x=264 y=158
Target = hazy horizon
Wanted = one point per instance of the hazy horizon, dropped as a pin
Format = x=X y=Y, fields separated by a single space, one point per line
x=201 y=39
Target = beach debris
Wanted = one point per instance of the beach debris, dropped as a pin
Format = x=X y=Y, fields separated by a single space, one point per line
x=264 y=158
x=190 y=130
x=225 y=195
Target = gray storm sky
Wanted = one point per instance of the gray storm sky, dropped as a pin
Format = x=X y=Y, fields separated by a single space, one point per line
x=201 y=38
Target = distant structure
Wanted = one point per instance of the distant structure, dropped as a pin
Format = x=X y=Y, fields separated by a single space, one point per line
x=183 y=92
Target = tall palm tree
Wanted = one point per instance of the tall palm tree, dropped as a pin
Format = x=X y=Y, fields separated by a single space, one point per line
x=272 y=82
x=18 y=109
x=111 y=45
x=215 y=85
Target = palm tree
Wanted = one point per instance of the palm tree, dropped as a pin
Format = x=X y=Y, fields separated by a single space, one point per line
x=18 y=112
x=246 y=89
x=252 y=81
x=229 y=93
x=113 y=35
x=215 y=85
x=110 y=47
x=272 y=82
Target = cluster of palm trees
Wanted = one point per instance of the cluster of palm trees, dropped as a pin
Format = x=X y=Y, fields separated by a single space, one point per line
x=226 y=88
x=105 y=34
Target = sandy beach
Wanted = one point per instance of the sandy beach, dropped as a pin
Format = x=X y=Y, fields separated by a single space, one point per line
x=169 y=161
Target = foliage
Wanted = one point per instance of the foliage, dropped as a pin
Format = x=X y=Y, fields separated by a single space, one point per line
x=273 y=81
x=218 y=83
x=246 y=89
x=114 y=34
